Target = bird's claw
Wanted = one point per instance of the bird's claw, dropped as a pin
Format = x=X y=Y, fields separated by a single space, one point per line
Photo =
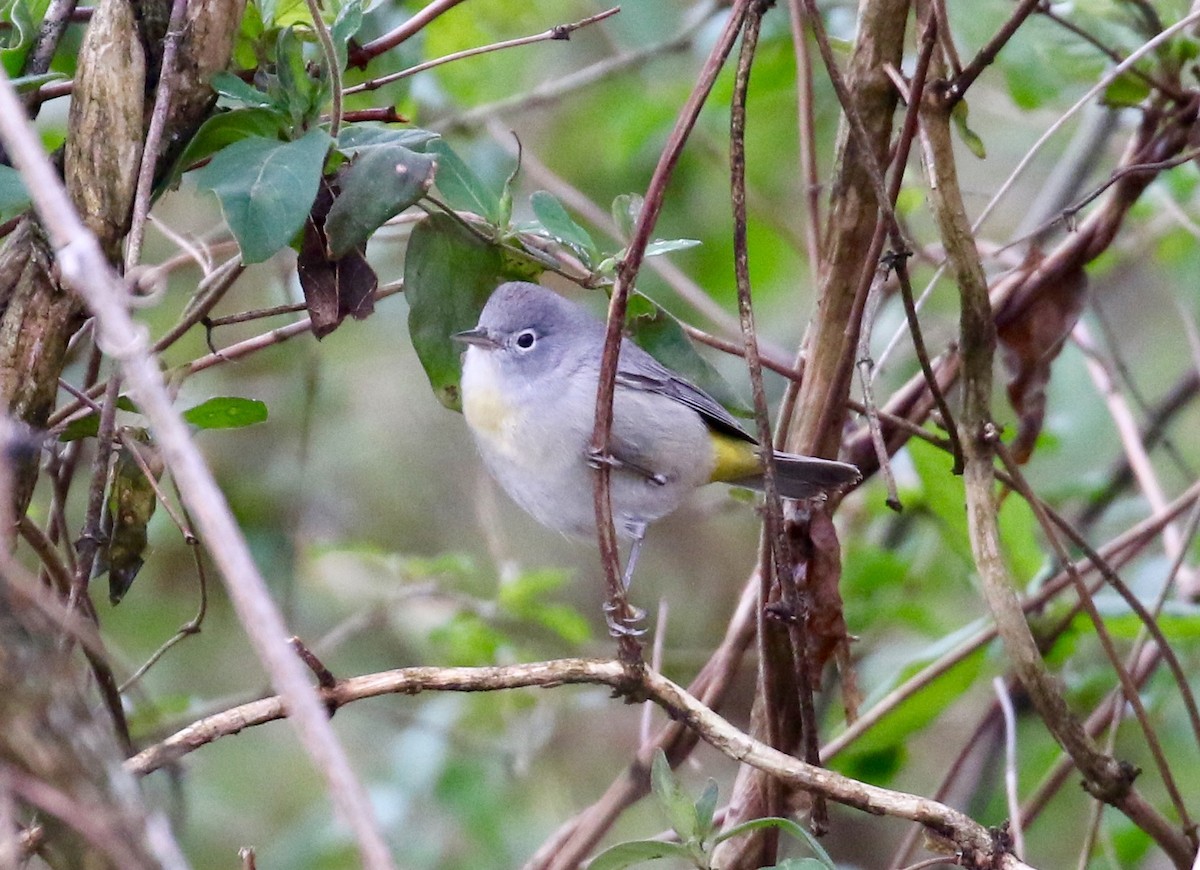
x=625 y=625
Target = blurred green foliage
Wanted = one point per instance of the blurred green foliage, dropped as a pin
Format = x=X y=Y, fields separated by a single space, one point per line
x=371 y=516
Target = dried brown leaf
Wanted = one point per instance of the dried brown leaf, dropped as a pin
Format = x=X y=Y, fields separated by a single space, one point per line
x=1029 y=345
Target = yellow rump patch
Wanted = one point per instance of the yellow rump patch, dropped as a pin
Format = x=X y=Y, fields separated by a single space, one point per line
x=736 y=458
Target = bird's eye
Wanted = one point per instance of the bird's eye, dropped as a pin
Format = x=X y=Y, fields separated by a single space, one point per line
x=526 y=339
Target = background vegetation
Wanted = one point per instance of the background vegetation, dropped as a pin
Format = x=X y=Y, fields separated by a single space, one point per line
x=385 y=546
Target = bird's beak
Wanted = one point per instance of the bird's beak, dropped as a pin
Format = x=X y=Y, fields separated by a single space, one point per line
x=478 y=337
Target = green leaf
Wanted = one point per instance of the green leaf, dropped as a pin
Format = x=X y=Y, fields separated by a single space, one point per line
x=463 y=189
x=347 y=23
x=247 y=48
x=17 y=38
x=1021 y=536
x=266 y=188
x=88 y=426
x=526 y=597
x=944 y=495
x=449 y=273
x=787 y=826
x=706 y=809
x=286 y=13
x=381 y=183
x=626 y=209
x=226 y=412
x=356 y=138
x=969 y=137
x=879 y=750
x=14 y=198
x=634 y=852
x=559 y=224
x=303 y=94
x=1125 y=90
x=680 y=811
x=467 y=641
x=235 y=90
x=666 y=246
x=654 y=330
x=224 y=128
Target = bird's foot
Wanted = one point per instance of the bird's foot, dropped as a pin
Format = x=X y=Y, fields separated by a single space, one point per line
x=622 y=619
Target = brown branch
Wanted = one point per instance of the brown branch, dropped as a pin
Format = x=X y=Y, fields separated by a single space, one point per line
x=360 y=56
x=963 y=81
x=973 y=839
x=808 y=140
x=626 y=275
x=577 y=838
x=1106 y=778
x=1130 y=689
x=777 y=561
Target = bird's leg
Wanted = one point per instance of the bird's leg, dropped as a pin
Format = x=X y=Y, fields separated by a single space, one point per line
x=637 y=531
x=596 y=459
x=626 y=625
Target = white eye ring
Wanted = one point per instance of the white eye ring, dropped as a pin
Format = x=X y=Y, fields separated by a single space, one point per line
x=525 y=339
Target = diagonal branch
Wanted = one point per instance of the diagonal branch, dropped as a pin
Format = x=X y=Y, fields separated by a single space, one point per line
x=85 y=268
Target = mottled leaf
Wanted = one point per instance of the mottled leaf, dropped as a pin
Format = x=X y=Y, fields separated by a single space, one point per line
x=377 y=186
x=131 y=505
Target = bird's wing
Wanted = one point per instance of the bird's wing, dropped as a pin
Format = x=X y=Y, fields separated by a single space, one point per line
x=653 y=377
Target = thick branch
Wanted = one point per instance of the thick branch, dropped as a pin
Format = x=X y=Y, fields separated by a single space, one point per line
x=973 y=839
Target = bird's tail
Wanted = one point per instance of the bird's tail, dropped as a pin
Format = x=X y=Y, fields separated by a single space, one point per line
x=806 y=476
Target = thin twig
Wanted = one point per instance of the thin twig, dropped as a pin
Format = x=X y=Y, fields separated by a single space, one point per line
x=808 y=139
x=963 y=81
x=626 y=274
x=558 y=32
x=189 y=628
x=550 y=92
x=777 y=560
x=154 y=133
x=864 y=365
x=360 y=56
x=332 y=67
x=91 y=540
